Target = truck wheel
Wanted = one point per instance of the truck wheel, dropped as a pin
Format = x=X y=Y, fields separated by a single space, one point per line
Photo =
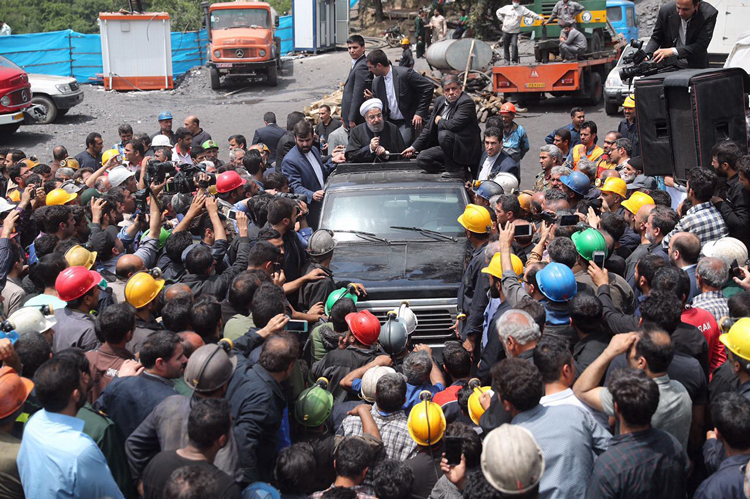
x=595 y=90
x=215 y=79
x=49 y=108
x=8 y=129
x=611 y=108
x=273 y=75
x=596 y=44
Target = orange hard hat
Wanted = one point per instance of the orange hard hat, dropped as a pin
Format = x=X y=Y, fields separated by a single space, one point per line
x=74 y=282
x=229 y=181
x=14 y=390
x=364 y=326
x=508 y=107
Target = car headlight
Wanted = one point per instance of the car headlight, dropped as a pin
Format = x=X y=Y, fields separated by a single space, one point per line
x=5 y=101
x=64 y=88
x=217 y=54
x=262 y=53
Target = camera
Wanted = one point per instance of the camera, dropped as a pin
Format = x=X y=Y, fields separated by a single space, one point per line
x=640 y=66
x=141 y=200
x=159 y=170
x=293 y=197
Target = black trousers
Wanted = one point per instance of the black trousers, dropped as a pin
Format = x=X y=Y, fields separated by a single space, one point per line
x=440 y=158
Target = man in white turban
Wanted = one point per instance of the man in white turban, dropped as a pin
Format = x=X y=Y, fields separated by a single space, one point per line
x=375 y=137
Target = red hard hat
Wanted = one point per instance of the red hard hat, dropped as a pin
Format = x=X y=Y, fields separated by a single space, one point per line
x=364 y=326
x=229 y=181
x=75 y=282
x=508 y=107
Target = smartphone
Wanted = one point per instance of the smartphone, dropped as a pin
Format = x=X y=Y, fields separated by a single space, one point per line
x=522 y=230
x=736 y=270
x=453 y=449
x=276 y=267
x=232 y=214
x=598 y=258
x=568 y=220
x=296 y=326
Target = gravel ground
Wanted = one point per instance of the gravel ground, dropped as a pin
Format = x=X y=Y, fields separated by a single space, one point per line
x=239 y=106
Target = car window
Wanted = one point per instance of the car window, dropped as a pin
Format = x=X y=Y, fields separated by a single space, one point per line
x=614 y=14
x=8 y=64
x=630 y=14
x=240 y=18
x=375 y=211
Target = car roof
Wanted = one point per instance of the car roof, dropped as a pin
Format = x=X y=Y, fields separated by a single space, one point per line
x=395 y=173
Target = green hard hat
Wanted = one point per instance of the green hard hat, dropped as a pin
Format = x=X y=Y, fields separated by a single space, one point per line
x=337 y=295
x=588 y=241
x=163 y=235
x=314 y=405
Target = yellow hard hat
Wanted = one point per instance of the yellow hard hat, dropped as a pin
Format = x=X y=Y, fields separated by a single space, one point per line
x=524 y=199
x=142 y=288
x=616 y=185
x=108 y=154
x=80 y=256
x=476 y=219
x=637 y=200
x=404 y=41
x=475 y=407
x=70 y=163
x=629 y=101
x=15 y=196
x=495 y=268
x=426 y=421
x=59 y=197
x=737 y=340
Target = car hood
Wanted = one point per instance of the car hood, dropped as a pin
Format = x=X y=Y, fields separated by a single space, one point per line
x=36 y=78
x=240 y=37
x=402 y=270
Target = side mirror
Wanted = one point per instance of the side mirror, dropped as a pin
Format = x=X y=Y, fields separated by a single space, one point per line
x=276 y=21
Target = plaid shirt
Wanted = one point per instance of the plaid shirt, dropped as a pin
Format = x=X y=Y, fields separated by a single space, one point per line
x=394 y=432
x=363 y=492
x=714 y=302
x=648 y=464
x=704 y=220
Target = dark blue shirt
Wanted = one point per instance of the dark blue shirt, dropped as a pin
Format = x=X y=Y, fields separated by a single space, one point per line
x=728 y=480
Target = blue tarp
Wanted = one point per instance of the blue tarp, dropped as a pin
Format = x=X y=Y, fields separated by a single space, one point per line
x=68 y=53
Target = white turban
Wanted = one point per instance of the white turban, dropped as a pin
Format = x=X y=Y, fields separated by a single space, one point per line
x=369 y=104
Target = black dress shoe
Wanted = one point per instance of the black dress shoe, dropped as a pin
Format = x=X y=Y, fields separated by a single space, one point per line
x=452 y=175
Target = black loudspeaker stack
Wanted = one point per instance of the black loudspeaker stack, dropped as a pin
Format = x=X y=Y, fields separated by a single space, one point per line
x=683 y=114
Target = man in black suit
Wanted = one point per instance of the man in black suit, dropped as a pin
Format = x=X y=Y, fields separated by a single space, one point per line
x=269 y=134
x=451 y=139
x=375 y=137
x=406 y=95
x=359 y=80
x=684 y=29
x=286 y=142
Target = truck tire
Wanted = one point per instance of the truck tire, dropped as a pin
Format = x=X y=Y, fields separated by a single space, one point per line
x=596 y=44
x=49 y=107
x=9 y=129
x=611 y=108
x=273 y=75
x=215 y=78
x=595 y=90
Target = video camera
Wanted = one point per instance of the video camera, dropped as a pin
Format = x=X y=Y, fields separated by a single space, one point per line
x=292 y=196
x=158 y=171
x=640 y=65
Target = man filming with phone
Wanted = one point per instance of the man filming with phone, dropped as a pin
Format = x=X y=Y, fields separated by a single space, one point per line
x=684 y=29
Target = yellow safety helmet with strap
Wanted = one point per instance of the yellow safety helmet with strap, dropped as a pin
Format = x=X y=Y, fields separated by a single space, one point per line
x=58 y=197
x=637 y=200
x=475 y=407
x=143 y=287
x=495 y=268
x=476 y=219
x=109 y=154
x=80 y=256
x=629 y=101
x=426 y=421
x=737 y=340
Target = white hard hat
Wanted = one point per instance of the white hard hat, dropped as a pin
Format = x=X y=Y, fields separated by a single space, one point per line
x=507 y=181
x=119 y=175
x=370 y=381
x=31 y=320
x=6 y=206
x=407 y=315
x=161 y=141
x=727 y=249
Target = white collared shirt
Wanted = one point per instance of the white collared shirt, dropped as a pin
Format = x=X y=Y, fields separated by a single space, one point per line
x=316 y=166
x=181 y=159
x=489 y=162
x=390 y=91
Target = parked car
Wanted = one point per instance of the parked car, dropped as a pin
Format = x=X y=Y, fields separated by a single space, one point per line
x=15 y=96
x=396 y=232
x=57 y=94
x=615 y=90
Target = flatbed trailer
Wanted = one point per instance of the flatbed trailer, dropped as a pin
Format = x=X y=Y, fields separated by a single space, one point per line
x=580 y=79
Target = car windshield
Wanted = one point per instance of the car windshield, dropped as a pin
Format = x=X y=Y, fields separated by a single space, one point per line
x=614 y=14
x=376 y=211
x=8 y=64
x=240 y=18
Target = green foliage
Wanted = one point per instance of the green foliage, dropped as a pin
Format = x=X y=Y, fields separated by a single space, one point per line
x=82 y=15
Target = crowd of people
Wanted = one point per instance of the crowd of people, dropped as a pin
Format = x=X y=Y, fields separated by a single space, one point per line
x=172 y=327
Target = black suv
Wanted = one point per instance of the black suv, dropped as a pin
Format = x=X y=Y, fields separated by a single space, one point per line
x=397 y=232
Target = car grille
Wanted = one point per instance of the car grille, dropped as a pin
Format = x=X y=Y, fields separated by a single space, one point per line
x=247 y=53
x=433 y=324
x=20 y=97
x=74 y=86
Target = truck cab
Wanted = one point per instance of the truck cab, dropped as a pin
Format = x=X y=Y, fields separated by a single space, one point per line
x=15 y=96
x=622 y=16
x=242 y=41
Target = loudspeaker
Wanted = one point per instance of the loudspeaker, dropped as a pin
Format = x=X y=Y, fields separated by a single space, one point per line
x=653 y=126
x=705 y=106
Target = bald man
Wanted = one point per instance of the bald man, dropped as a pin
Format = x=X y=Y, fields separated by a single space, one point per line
x=193 y=124
x=190 y=341
x=179 y=290
x=683 y=251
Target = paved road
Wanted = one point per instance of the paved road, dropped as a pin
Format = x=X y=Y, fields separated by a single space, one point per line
x=222 y=114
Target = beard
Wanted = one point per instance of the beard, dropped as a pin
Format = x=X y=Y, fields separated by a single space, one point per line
x=494 y=292
x=377 y=128
x=650 y=237
x=628 y=177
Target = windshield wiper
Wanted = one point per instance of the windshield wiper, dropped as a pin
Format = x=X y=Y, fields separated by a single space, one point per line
x=369 y=236
x=426 y=232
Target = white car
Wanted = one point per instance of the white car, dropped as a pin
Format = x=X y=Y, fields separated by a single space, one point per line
x=615 y=90
x=57 y=94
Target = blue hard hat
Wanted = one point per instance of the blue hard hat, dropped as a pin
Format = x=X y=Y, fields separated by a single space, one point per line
x=557 y=282
x=260 y=490
x=577 y=182
x=487 y=189
x=165 y=115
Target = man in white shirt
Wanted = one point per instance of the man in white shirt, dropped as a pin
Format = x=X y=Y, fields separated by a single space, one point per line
x=494 y=160
x=181 y=151
x=510 y=16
